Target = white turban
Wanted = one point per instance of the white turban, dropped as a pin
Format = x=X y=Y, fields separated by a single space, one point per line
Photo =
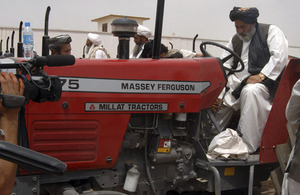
x=143 y=31
x=95 y=38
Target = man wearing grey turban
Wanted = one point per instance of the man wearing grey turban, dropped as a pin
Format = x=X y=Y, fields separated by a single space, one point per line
x=60 y=45
x=264 y=51
x=140 y=38
x=93 y=47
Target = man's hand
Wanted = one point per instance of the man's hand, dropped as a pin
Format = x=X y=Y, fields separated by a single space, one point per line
x=216 y=106
x=254 y=79
x=9 y=126
x=12 y=86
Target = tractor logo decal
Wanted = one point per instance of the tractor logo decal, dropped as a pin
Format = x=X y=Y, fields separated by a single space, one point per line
x=98 y=85
x=92 y=107
x=98 y=106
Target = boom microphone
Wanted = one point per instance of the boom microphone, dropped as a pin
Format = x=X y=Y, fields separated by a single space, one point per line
x=53 y=60
x=60 y=60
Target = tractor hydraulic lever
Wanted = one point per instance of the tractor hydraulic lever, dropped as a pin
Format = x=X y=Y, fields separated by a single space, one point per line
x=20 y=43
x=194 y=41
x=1 y=52
x=12 y=49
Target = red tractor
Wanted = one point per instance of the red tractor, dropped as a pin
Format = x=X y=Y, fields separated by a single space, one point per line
x=142 y=127
x=147 y=116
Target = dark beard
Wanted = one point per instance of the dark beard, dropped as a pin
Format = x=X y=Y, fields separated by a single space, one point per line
x=87 y=48
x=137 y=49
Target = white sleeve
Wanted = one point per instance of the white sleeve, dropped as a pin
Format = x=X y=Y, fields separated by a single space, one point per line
x=187 y=54
x=100 y=54
x=278 y=47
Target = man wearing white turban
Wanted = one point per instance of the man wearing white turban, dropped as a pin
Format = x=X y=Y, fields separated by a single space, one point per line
x=93 y=48
x=140 y=38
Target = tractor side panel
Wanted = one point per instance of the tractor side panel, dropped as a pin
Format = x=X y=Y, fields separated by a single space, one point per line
x=275 y=131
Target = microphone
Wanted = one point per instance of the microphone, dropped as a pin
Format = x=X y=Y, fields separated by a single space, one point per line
x=53 y=60
x=60 y=60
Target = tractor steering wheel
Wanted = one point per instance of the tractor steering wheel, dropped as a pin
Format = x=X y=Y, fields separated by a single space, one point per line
x=232 y=53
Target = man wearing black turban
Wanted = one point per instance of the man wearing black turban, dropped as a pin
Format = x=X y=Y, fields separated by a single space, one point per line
x=264 y=51
x=246 y=15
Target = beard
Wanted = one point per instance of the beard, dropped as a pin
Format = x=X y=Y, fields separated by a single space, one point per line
x=246 y=37
x=137 y=48
x=87 y=48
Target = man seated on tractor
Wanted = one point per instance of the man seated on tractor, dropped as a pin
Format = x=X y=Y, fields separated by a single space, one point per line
x=264 y=50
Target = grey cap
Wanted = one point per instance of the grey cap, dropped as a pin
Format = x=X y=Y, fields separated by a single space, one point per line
x=58 y=41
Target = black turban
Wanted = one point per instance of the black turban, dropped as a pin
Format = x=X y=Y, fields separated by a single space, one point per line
x=247 y=15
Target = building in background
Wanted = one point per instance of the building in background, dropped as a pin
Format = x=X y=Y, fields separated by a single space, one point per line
x=105 y=21
x=109 y=41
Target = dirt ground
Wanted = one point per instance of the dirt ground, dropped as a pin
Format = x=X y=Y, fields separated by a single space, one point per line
x=266 y=188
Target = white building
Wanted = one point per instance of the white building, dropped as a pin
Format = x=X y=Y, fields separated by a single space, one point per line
x=105 y=21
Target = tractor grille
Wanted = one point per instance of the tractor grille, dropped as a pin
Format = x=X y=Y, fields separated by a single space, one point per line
x=68 y=141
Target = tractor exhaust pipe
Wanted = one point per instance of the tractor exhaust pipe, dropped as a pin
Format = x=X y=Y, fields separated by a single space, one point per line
x=45 y=47
x=20 y=43
x=158 y=29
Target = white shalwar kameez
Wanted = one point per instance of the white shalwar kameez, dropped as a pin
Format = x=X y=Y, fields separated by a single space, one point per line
x=96 y=52
x=254 y=103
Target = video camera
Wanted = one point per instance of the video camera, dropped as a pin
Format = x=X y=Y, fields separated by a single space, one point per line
x=42 y=87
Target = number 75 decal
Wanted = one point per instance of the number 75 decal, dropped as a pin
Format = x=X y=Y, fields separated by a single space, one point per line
x=70 y=83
